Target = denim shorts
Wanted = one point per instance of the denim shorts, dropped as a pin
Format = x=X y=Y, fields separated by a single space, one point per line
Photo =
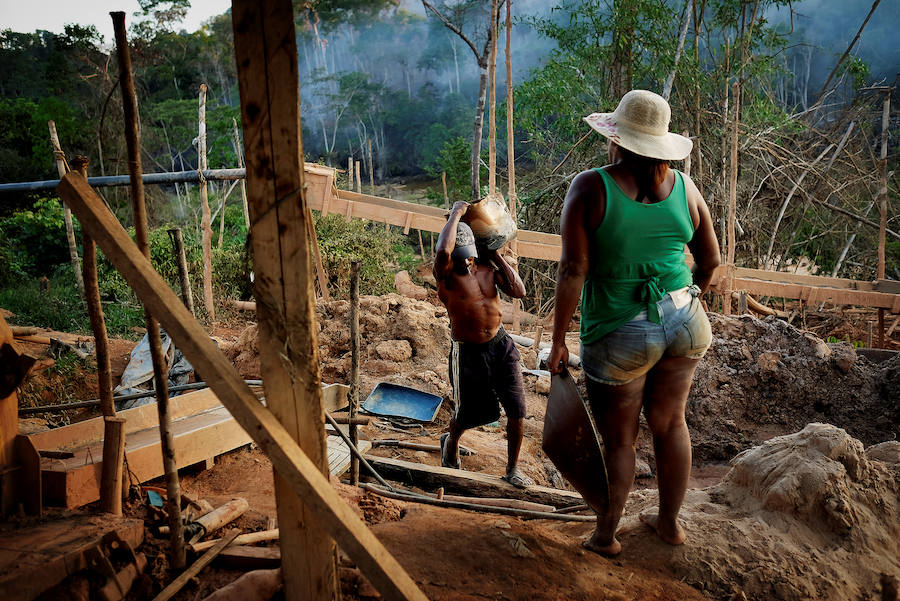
x=636 y=346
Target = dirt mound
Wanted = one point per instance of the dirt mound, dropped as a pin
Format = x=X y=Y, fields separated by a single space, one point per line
x=809 y=515
x=764 y=378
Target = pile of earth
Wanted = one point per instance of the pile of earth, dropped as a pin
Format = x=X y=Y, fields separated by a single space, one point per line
x=764 y=378
x=810 y=515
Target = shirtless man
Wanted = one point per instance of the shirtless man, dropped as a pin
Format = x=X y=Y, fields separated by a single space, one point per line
x=484 y=363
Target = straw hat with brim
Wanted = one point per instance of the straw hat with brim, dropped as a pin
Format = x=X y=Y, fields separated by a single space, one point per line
x=641 y=124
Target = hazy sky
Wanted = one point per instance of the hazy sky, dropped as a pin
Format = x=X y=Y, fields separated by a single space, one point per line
x=52 y=15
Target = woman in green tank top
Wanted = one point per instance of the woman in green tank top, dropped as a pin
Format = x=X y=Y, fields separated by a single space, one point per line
x=643 y=331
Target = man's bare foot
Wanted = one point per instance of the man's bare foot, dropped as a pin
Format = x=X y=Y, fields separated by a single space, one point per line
x=672 y=535
x=596 y=544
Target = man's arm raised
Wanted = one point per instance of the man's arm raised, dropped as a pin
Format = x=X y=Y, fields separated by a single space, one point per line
x=507 y=278
x=446 y=242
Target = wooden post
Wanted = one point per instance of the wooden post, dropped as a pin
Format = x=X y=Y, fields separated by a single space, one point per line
x=239 y=151
x=321 y=276
x=444 y=183
x=687 y=159
x=358 y=179
x=350 y=173
x=371 y=168
x=160 y=371
x=67 y=213
x=511 y=154
x=732 y=197
x=492 y=119
x=882 y=205
x=304 y=477
x=266 y=53
x=178 y=246
x=538 y=334
x=421 y=246
x=354 y=366
x=113 y=427
x=205 y=218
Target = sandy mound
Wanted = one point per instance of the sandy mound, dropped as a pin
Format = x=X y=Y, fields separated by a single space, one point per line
x=764 y=378
x=810 y=515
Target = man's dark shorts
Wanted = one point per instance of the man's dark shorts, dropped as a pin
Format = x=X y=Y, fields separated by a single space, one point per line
x=485 y=376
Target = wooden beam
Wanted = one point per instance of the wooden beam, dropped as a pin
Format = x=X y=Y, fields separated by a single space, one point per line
x=284 y=252
x=294 y=466
x=474 y=484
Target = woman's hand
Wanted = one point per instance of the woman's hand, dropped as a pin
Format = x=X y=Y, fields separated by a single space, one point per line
x=559 y=358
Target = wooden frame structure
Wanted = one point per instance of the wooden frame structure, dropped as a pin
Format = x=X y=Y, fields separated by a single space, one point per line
x=547 y=247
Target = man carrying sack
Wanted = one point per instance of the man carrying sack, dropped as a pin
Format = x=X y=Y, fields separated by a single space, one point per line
x=484 y=363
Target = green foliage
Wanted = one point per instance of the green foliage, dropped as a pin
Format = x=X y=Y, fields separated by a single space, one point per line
x=342 y=242
x=453 y=159
x=35 y=240
x=63 y=308
x=856 y=343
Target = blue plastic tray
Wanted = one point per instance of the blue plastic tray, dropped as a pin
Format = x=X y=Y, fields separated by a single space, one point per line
x=395 y=400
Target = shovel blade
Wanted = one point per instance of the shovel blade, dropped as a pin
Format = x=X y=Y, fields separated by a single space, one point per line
x=572 y=443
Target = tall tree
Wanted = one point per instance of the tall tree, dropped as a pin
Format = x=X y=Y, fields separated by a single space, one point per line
x=454 y=15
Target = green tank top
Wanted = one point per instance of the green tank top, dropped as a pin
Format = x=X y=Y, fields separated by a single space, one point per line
x=636 y=257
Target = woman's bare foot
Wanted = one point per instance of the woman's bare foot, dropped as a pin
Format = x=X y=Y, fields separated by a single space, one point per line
x=596 y=544
x=670 y=533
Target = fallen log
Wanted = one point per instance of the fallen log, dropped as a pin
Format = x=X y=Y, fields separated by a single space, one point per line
x=757 y=307
x=34 y=339
x=243 y=539
x=19 y=331
x=470 y=483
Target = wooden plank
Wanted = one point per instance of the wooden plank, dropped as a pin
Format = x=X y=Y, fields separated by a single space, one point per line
x=283 y=256
x=304 y=477
x=806 y=280
x=9 y=423
x=815 y=294
x=473 y=484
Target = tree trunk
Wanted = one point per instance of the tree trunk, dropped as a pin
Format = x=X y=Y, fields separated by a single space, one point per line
x=476 y=137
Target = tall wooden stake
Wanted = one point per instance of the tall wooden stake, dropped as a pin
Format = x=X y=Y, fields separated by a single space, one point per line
x=354 y=366
x=59 y=157
x=882 y=205
x=205 y=218
x=732 y=198
x=113 y=427
x=178 y=246
x=358 y=179
x=444 y=183
x=511 y=155
x=350 y=173
x=239 y=151
x=160 y=371
x=371 y=168
x=492 y=120
x=266 y=53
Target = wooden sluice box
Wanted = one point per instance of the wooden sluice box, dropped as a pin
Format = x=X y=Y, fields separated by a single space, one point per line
x=72 y=456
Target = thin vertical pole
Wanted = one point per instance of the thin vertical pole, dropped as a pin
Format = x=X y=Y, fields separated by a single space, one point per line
x=239 y=150
x=133 y=143
x=511 y=153
x=444 y=183
x=371 y=168
x=492 y=121
x=354 y=366
x=205 y=218
x=350 y=173
x=358 y=178
x=178 y=245
x=732 y=201
x=113 y=426
x=882 y=205
x=60 y=160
